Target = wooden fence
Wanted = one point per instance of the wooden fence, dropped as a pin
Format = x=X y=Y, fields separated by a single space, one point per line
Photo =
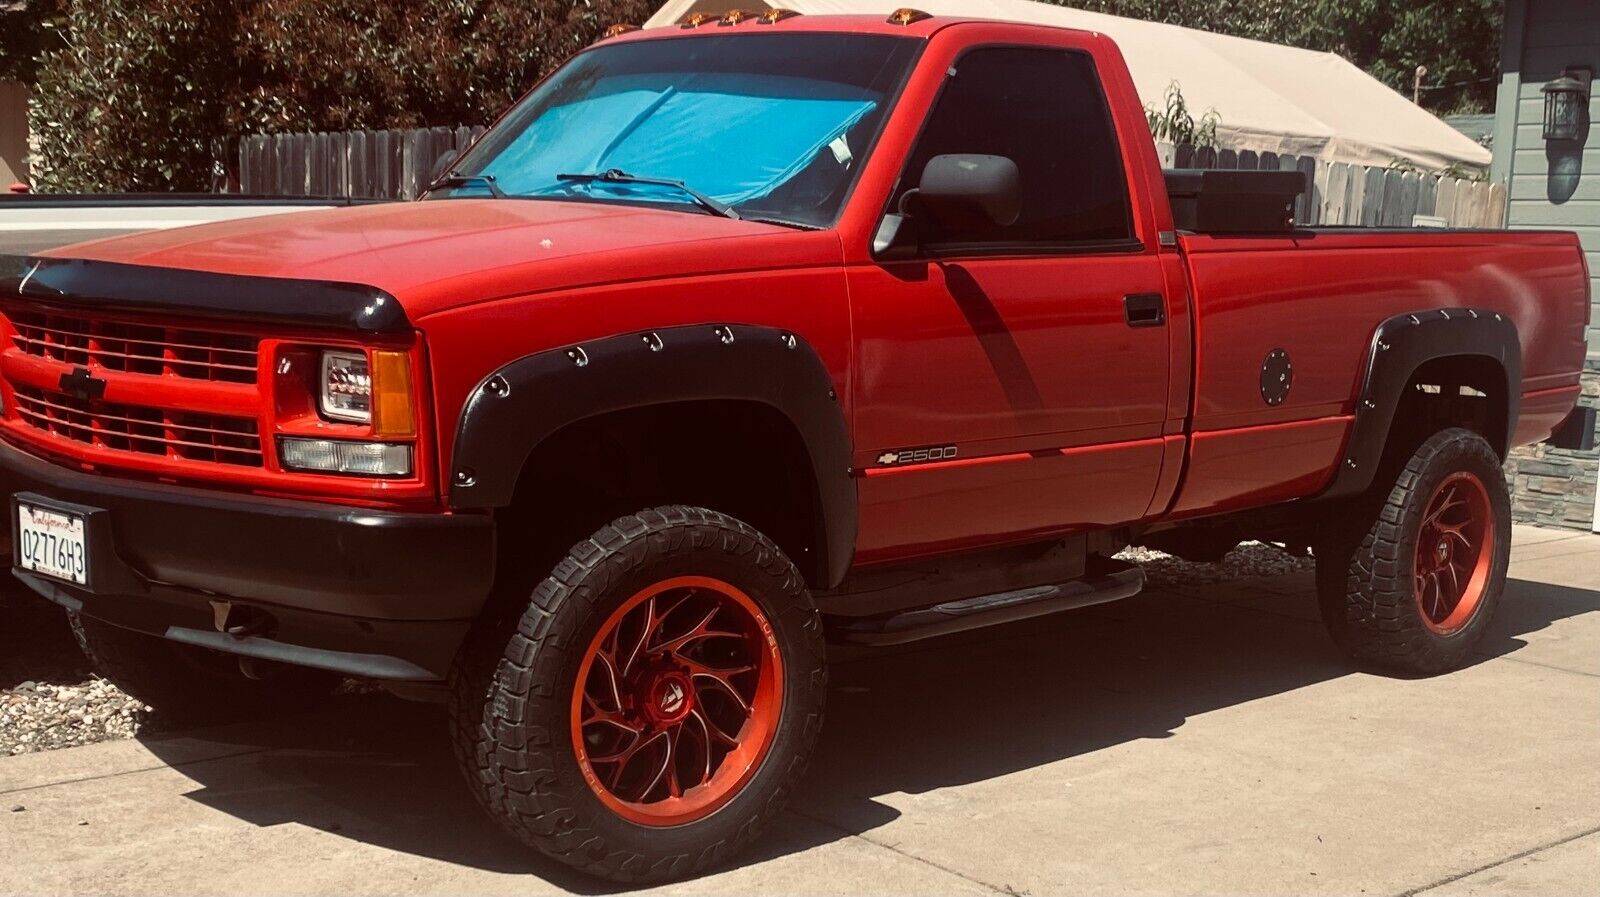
x=1360 y=195
x=368 y=164
x=398 y=164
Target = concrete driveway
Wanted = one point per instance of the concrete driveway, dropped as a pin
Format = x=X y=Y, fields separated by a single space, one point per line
x=1190 y=740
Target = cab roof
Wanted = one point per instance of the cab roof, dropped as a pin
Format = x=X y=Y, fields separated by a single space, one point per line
x=836 y=24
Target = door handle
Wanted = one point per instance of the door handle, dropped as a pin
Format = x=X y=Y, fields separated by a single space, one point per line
x=1145 y=309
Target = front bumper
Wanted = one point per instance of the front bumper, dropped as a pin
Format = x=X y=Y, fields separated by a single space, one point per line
x=379 y=594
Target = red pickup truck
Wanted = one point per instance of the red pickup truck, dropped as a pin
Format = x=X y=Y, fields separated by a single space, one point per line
x=732 y=339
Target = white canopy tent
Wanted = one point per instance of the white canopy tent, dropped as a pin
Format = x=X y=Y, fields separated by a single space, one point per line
x=1269 y=97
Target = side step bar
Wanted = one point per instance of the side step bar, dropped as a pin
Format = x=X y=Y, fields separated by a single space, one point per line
x=1110 y=581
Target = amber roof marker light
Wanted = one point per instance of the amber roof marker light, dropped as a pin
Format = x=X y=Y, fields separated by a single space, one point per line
x=908 y=16
x=619 y=28
x=732 y=17
x=775 y=15
x=696 y=20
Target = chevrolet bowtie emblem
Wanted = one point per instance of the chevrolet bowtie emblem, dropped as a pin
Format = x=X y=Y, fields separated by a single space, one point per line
x=81 y=385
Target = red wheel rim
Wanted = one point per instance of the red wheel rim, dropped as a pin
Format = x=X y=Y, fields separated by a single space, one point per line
x=677 y=701
x=1455 y=548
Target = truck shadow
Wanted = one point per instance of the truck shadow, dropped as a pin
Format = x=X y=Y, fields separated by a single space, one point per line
x=960 y=710
x=36 y=644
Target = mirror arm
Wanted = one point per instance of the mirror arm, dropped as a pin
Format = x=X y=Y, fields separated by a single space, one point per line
x=900 y=207
x=890 y=242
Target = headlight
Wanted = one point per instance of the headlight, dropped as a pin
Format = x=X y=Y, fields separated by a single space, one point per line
x=346 y=387
x=376 y=392
x=373 y=459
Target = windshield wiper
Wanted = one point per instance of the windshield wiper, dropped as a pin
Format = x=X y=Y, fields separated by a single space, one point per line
x=618 y=176
x=467 y=180
x=784 y=222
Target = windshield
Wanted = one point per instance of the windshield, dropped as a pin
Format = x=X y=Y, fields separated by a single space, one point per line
x=775 y=126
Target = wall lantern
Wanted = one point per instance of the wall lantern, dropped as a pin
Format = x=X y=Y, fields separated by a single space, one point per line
x=1566 y=105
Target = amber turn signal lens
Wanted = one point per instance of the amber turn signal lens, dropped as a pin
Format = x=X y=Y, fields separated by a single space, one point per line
x=393 y=405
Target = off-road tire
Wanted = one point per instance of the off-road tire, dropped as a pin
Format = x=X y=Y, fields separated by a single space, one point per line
x=1366 y=565
x=513 y=684
x=190 y=684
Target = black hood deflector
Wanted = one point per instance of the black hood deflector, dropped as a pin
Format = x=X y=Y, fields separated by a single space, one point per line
x=142 y=289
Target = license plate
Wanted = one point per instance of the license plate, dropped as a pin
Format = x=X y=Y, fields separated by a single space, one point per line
x=52 y=542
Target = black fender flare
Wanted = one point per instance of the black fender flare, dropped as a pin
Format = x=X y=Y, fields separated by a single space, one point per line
x=526 y=401
x=1400 y=346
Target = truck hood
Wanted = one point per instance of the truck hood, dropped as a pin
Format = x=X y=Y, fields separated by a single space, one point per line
x=438 y=255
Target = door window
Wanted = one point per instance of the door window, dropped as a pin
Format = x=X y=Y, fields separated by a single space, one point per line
x=1045 y=110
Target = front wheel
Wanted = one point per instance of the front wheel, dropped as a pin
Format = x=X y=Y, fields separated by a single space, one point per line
x=1411 y=584
x=655 y=702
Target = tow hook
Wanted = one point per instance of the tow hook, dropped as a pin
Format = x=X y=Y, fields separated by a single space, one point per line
x=240 y=621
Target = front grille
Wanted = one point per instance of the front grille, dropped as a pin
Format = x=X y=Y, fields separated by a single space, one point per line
x=190 y=435
x=136 y=348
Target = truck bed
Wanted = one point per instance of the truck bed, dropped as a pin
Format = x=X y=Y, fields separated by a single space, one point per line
x=1315 y=294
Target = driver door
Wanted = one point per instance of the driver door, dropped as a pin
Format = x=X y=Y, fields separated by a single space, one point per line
x=1012 y=380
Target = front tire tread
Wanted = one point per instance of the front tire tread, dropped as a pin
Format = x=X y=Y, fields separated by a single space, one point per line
x=494 y=744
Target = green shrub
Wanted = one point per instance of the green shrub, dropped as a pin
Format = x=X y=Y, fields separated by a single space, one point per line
x=144 y=90
x=26 y=30
x=1176 y=125
x=135 y=98
x=427 y=62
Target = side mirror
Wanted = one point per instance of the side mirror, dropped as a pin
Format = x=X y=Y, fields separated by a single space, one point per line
x=956 y=190
x=959 y=188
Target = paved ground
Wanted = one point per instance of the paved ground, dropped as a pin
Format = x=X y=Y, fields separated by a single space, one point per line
x=1188 y=740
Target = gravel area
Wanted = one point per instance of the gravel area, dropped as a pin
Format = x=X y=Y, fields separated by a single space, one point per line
x=48 y=696
x=1249 y=560
x=50 y=699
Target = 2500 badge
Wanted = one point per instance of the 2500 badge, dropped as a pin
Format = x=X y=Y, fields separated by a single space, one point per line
x=917 y=455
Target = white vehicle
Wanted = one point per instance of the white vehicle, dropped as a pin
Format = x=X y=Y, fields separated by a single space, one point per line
x=32 y=223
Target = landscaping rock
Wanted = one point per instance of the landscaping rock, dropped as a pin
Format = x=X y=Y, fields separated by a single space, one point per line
x=1248 y=561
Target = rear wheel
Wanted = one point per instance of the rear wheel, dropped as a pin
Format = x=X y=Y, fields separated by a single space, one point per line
x=653 y=704
x=189 y=684
x=1411 y=583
